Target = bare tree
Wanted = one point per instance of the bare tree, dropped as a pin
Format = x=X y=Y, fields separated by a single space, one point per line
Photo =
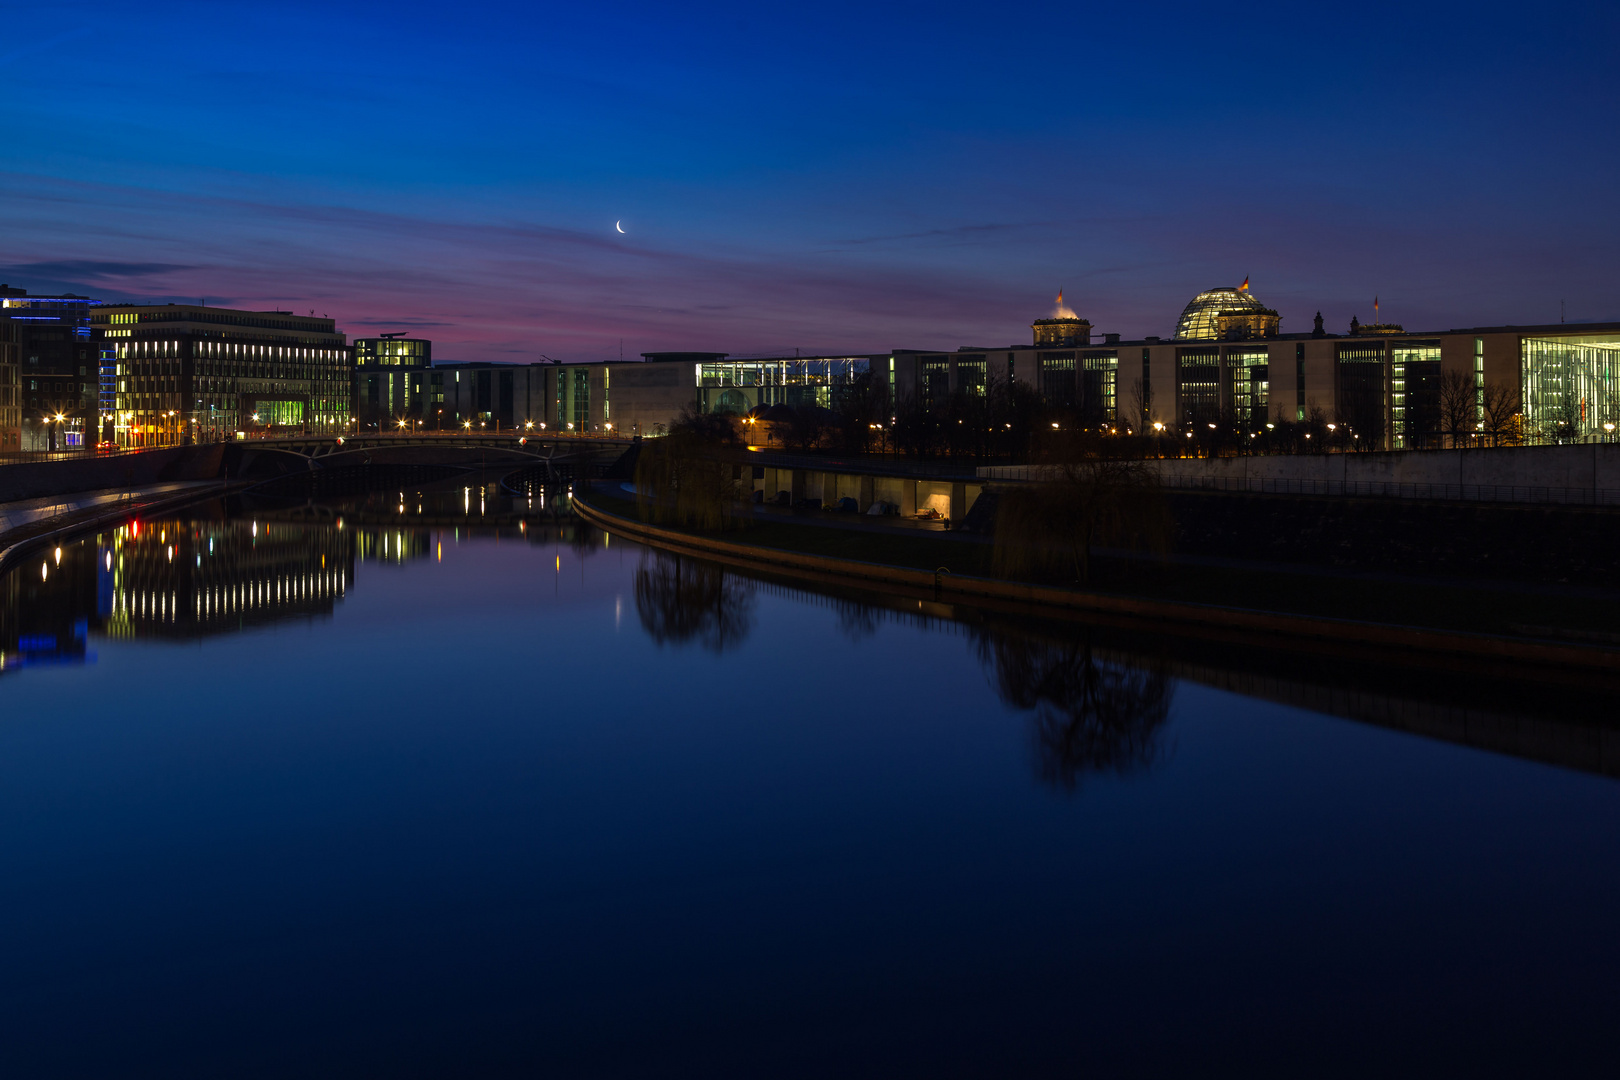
x=1457 y=401
x=1500 y=414
x=681 y=481
x=1048 y=529
x=1141 y=402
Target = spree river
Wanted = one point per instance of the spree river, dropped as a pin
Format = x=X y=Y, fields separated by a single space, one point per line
x=451 y=787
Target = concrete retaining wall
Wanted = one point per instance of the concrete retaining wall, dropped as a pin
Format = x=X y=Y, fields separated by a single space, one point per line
x=1592 y=466
x=1047 y=600
x=40 y=479
x=1587 y=467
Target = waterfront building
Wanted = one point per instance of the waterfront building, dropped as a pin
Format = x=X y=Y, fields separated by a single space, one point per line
x=1229 y=363
x=57 y=368
x=1226 y=364
x=10 y=406
x=645 y=397
x=394 y=384
x=627 y=397
x=487 y=396
x=177 y=373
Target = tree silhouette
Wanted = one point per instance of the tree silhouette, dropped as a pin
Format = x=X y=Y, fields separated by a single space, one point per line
x=680 y=481
x=1047 y=529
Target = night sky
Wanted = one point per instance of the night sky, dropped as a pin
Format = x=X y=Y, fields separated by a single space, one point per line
x=827 y=177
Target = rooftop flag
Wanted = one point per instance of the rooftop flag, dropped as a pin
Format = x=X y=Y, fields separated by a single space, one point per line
x=1245 y=286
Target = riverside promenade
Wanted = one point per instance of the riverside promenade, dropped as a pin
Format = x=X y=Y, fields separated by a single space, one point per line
x=27 y=523
x=1390 y=618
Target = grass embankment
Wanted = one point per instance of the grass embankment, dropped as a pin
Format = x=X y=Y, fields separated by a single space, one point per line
x=1475 y=606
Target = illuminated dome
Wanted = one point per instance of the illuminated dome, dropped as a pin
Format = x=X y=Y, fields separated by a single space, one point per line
x=1197 y=322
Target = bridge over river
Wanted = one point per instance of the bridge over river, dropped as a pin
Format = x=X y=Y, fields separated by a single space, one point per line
x=258 y=460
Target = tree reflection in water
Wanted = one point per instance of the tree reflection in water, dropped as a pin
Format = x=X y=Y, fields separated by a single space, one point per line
x=856 y=621
x=1091 y=715
x=681 y=601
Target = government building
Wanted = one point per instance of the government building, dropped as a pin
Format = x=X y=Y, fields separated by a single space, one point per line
x=1228 y=363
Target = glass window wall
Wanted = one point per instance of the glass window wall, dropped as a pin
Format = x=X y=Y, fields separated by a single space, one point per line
x=1570 y=390
x=1057 y=379
x=1099 y=388
x=1198 y=385
x=1250 y=374
x=1414 y=395
x=1361 y=392
x=736 y=386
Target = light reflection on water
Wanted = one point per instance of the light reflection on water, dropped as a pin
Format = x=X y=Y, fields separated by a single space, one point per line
x=490 y=791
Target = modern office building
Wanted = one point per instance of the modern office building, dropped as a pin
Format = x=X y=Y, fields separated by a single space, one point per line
x=645 y=398
x=57 y=367
x=1229 y=363
x=493 y=397
x=10 y=407
x=176 y=373
x=395 y=386
x=634 y=397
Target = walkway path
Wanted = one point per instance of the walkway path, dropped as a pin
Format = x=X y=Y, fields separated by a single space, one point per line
x=28 y=521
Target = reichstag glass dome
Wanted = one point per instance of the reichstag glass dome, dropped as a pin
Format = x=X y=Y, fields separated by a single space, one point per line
x=1197 y=322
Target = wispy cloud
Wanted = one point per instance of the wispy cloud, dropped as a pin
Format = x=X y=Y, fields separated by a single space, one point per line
x=517 y=287
x=92 y=269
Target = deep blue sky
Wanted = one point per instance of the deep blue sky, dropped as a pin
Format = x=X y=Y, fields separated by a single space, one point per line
x=828 y=177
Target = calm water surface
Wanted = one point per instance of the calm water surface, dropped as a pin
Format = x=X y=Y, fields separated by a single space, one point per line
x=280 y=796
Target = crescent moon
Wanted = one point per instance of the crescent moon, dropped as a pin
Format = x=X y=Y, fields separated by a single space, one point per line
x=618 y=226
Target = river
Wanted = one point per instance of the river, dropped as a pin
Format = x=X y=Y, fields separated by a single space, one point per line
x=454 y=787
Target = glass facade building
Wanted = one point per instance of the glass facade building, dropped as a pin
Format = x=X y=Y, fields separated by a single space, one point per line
x=392 y=352
x=56 y=391
x=186 y=373
x=736 y=386
x=1571 y=388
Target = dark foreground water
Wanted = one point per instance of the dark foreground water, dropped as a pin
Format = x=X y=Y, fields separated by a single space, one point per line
x=280 y=796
